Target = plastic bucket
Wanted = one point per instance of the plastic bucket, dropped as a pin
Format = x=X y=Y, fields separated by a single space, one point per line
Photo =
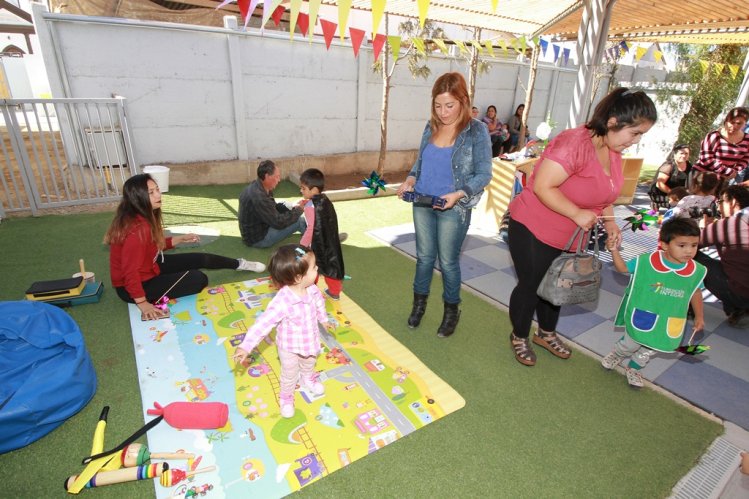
x=160 y=175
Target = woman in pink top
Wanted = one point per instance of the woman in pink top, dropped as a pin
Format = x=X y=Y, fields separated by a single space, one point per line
x=295 y=312
x=575 y=181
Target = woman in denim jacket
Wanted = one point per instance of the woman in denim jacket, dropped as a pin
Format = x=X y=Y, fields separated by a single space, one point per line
x=454 y=165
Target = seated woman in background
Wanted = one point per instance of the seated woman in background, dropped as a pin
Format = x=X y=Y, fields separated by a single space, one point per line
x=495 y=130
x=673 y=173
x=726 y=151
x=140 y=272
x=701 y=199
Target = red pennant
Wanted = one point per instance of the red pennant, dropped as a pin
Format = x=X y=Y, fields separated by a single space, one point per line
x=244 y=6
x=328 y=31
x=276 y=16
x=303 y=22
x=357 y=35
x=377 y=43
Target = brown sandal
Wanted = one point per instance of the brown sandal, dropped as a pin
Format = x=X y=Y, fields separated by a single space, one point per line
x=552 y=343
x=522 y=349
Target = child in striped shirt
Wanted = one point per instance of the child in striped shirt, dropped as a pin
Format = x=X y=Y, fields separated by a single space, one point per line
x=295 y=312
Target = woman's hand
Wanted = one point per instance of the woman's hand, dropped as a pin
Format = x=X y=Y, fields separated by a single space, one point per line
x=148 y=311
x=585 y=219
x=407 y=185
x=185 y=238
x=614 y=233
x=451 y=199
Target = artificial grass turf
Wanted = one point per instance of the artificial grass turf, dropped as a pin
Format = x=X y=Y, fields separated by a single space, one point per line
x=565 y=428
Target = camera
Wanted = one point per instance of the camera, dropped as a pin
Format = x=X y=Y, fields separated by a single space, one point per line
x=424 y=200
x=711 y=211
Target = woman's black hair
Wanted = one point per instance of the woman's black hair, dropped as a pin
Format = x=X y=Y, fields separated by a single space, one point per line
x=677 y=148
x=628 y=107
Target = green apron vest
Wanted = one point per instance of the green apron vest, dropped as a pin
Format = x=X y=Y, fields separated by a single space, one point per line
x=654 y=306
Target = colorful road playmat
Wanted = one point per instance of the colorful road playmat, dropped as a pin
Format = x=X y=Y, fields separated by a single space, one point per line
x=376 y=391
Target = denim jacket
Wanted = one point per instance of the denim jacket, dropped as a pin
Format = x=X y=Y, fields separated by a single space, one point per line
x=471 y=161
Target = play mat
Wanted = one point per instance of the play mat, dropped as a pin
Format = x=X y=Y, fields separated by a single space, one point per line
x=376 y=391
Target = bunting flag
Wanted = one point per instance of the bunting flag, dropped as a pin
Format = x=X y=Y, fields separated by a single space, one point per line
x=303 y=23
x=494 y=5
x=658 y=55
x=441 y=44
x=461 y=46
x=378 y=8
x=377 y=43
x=223 y=4
x=544 y=45
x=566 y=55
x=328 y=31
x=344 y=7
x=419 y=44
x=269 y=7
x=294 y=7
x=639 y=53
x=357 y=35
x=718 y=67
x=489 y=47
x=734 y=70
x=277 y=15
x=314 y=7
x=523 y=44
x=503 y=44
x=556 y=52
x=395 y=45
x=704 y=65
x=477 y=45
x=536 y=40
x=423 y=7
x=624 y=46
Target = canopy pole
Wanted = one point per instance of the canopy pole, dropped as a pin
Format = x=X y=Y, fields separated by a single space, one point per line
x=591 y=44
x=744 y=90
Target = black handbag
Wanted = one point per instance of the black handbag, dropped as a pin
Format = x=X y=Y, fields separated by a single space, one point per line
x=573 y=277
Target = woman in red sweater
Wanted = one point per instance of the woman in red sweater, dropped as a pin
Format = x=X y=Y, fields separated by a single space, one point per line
x=141 y=273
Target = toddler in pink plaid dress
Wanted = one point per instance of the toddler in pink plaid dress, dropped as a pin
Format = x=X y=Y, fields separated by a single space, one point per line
x=295 y=312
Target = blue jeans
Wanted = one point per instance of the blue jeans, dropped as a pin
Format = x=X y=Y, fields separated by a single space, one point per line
x=439 y=234
x=275 y=235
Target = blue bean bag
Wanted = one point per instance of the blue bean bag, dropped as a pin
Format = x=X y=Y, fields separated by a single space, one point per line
x=46 y=374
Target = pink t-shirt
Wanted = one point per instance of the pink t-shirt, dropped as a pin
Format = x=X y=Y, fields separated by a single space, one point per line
x=587 y=186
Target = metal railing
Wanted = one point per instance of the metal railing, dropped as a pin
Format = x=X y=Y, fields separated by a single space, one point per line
x=63 y=152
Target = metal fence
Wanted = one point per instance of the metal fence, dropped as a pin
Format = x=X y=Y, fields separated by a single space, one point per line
x=63 y=152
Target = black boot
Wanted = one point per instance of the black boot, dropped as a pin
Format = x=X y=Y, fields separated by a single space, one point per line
x=417 y=312
x=449 y=320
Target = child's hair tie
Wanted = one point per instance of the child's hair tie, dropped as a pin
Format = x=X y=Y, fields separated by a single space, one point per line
x=300 y=253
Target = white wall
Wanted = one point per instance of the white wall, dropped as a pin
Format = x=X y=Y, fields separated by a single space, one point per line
x=214 y=94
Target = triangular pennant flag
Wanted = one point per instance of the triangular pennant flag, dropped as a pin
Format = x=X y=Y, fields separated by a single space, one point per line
x=523 y=44
x=328 y=31
x=441 y=44
x=377 y=43
x=423 y=7
x=461 y=46
x=419 y=44
x=718 y=67
x=344 y=7
x=494 y=5
x=544 y=45
x=503 y=44
x=624 y=46
x=566 y=55
x=224 y=4
x=704 y=65
x=734 y=70
x=489 y=47
x=556 y=52
x=250 y=10
x=269 y=7
x=639 y=52
x=378 y=8
x=395 y=45
x=277 y=15
x=303 y=23
x=658 y=55
x=478 y=46
x=294 y=5
x=536 y=40
x=314 y=7
x=357 y=35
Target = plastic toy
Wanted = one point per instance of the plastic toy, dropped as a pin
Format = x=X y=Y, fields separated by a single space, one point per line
x=174 y=476
x=423 y=199
x=641 y=219
x=122 y=475
x=137 y=454
x=374 y=183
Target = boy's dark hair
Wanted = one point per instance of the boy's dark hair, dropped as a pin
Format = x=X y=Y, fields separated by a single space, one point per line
x=266 y=167
x=706 y=182
x=678 y=227
x=312 y=177
x=630 y=108
x=738 y=193
x=678 y=192
x=287 y=264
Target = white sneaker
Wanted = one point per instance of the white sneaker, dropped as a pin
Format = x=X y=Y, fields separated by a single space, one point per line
x=314 y=386
x=287 y=406
x=251 y=266
x=611 y=360
x=634 y=378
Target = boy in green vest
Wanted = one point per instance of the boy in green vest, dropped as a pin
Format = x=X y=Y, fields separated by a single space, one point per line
x=654 y=307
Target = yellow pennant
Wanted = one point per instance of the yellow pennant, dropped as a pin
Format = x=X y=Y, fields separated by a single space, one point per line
x=734 y=70
x=314 y=7
x=478 y=46
x=295 y=5
x=503 y=44
x=639 y=53
x=378 y=8
x=441 y=44
x=395 y=45
x=461 y=46
x=344 y=7
x=658 y=55
x=489 y=47
x=704 y=65
x=423 y=7
x=494 y=5
x=718 y=68
x=268 y=10
x=419 y=44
